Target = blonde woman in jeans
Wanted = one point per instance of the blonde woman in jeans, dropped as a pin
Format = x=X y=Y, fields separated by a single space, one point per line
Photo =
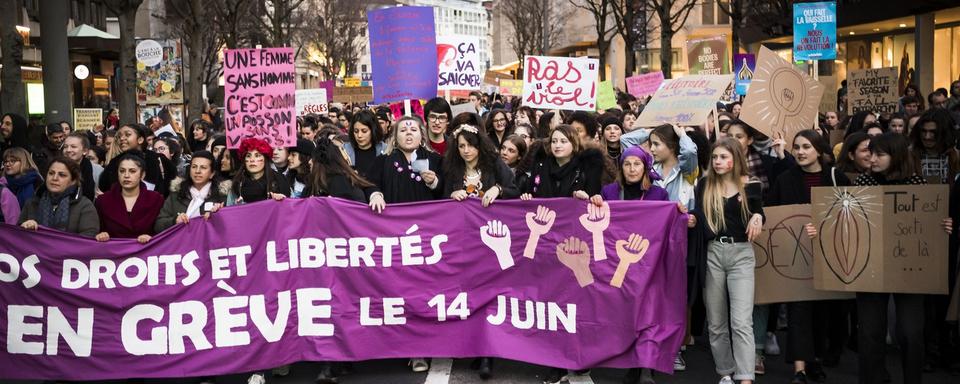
x=730 y=208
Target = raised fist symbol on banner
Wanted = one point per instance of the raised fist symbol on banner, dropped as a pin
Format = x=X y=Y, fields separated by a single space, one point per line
x=496 y=235
x=575 y=254
x=596 y=220
x=629 y=251
x=539 y=224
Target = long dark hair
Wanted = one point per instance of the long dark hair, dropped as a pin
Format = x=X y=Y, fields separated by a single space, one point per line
x=669 y=137
x=488 y=123
x=327 y=160
x=850 y=145
x=184 y=192
x=454 y=165
x=367 y=118
x=944 y=134
x=199 y=145
x=824 y=154
x=895 y=145
x=269 y=176
x=72 y=168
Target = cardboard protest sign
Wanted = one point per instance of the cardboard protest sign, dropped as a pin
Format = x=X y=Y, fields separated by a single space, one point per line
x=560 y=82
x=260 y=96
x=403 y=50
x=684 y=101
x=784 y=252
x=873 y=90
x=744 y=66
x=828 y=103
x=708 y=56
x=352 y=94
x=644 y=85
x=815 y=31
x=458 y=62
x=782 y=100
x=159 y=72
x=606 y=98
x=511 y=87
x=311 y=101
x=881 y=239
x=87 y=118
x=456 y=110
x=493 y=78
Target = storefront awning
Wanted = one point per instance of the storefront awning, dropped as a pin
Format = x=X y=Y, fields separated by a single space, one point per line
x=87 y=39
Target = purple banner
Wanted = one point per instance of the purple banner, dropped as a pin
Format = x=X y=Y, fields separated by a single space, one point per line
x=547 y=281
x=403 y=49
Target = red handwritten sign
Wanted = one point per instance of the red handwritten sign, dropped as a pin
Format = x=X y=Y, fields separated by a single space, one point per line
x=560 y=83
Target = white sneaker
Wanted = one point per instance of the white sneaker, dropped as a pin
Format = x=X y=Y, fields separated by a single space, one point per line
x=256 y=378
x=679 y=364
x=771 y=347
x=726 y=380
x=281 y=371
x=419 y=365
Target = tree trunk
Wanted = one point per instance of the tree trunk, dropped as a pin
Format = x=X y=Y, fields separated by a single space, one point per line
x=666 y=40
x=630 y=40
x=736 y=19
x=194 y=88
x=13 y=97
x=128 y=67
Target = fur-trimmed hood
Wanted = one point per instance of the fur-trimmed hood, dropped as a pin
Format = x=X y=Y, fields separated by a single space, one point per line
x=593 y=156
x=223 y=186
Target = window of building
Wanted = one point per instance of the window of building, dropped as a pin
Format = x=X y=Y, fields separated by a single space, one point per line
x=707 y=14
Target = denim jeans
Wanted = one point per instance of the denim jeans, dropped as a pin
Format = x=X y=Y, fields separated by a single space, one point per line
x=730 y=270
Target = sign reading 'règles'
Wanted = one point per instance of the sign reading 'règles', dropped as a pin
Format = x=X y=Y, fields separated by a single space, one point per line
x=268 y=283
x=260 y=92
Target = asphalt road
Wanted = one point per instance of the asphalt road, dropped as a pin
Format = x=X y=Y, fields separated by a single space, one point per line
x=443 y=371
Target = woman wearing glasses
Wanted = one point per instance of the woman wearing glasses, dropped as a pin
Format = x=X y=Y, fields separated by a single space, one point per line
x=498 y=127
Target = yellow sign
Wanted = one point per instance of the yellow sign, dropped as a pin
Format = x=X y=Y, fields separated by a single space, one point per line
x=87 y=118
x=351 y=82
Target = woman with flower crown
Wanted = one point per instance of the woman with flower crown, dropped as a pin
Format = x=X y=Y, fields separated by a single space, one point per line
x=475 y=170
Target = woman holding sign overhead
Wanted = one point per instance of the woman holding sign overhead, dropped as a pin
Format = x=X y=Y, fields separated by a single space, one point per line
x=806 y=336
x=891 y=164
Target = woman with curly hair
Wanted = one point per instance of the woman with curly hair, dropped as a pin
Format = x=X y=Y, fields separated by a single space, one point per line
x=475 y=169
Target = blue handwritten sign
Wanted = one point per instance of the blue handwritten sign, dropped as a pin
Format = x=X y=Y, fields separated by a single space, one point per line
x=403 y=50
x=815 y=31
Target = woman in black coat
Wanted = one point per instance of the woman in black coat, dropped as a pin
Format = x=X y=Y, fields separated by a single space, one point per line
x=408 y=170
x=131 y=138
x=473 y=169
x=331 y=175
x=565 y=168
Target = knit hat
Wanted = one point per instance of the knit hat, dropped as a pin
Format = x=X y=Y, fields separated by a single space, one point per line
x=645 y=157
x=610 y=120
x=255 y=144
x=304 y=147
x=219 y=141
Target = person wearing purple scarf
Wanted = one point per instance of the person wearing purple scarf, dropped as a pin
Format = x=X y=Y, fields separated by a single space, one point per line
x=636 y=179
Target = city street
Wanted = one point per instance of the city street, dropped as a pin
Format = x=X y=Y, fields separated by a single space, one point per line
x=699 y=370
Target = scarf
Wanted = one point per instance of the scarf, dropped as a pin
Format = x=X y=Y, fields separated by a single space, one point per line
x=55 y=209
x=197 y=197
x=24 y=185
x=559 y=181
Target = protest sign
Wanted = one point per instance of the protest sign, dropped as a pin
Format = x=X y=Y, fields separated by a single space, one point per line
x=457 y=109
x=260 y=96
x=266 y=284
x=606 y=98
x=644 y=85
x=311 y=101
x=403 y=48
x=511 y=87
x=782 y=100
x=87 y=118
x=828 y=103
x=458 y=62
x=684 y=101
x=744 y=66
x=708 y=56
x=881 y=239
x=815 y=31
x=873 y=90
x=328 y=85
x=352 y=94
x=493 y=78
x=351 y=82
x=784 y=252
x=159 y=72
x=560 y=82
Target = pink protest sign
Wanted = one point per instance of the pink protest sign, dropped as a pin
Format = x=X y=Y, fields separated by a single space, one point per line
x=644 y=85
x=260 y=89
x=560 y=83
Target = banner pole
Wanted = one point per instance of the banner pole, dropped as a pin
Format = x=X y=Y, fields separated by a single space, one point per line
x=446 y=95
x=406 y=107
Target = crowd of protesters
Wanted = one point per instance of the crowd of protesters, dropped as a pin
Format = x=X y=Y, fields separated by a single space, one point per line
x=131 y=180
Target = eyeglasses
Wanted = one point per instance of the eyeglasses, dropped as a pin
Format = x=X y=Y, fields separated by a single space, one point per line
x=500 y=120
x=11 y=161
x=437 y=118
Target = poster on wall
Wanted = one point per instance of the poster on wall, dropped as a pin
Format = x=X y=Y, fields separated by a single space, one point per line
x=708 y=56
x=159 y=72
x=815 y=31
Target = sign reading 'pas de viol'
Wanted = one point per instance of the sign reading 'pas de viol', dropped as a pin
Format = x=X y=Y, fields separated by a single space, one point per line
x=269 y=283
